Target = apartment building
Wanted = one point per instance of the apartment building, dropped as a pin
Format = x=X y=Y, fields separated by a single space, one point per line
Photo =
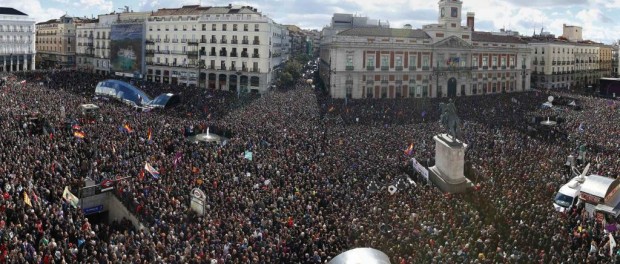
x=233 y=48
x=17 y=41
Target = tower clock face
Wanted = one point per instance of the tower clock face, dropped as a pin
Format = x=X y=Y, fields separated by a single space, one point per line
x=443 y=11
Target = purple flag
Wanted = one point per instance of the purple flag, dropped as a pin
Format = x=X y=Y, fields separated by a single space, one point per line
x=177 y=159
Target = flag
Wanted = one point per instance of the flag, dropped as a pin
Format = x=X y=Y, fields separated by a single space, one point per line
x=76 y=127
x=195 y=170
x=331 y=109
x=177 y=158
x=27 y=199
x=248 y=155
x=581 y=129
x=409 y=150
x=127 y=128
x=23 y=82
x=141 y=175
x=149 y=134
x=151 y=170
x=612 y=244
x=70 y=198
x=79 y=134
x=572 y=103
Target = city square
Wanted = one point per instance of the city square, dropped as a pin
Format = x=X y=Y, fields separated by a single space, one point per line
x=368 y=144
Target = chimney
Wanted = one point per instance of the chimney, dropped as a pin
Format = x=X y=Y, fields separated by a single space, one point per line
x=471 y=21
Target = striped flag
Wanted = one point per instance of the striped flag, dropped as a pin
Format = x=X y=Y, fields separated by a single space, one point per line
x=151 y=170
x=409 y=150
x=79 y=134
x=127 y=128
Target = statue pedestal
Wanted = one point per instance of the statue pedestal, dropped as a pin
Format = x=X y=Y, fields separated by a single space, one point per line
x=447 y=174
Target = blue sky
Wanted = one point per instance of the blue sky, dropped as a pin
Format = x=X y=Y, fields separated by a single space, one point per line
x=600 y=19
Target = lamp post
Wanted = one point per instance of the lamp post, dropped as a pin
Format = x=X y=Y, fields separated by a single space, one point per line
x=238 y=84
x=201 y=64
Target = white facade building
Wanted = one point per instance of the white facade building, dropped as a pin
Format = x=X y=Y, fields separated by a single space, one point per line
x=231 y=48
x=441 y=60
x=17 y=41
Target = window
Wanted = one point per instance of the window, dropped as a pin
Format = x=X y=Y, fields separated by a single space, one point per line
x=399 y=61
x=385 y=61
x=494 y=61
x=485 y=61
x=234 y=27
x=223 y=27
x=503 y=62
x=245 y=27
x=512 y=61
x=370 y=62
x=256 y=27
x=425 y=61
x=474 y=61
x=214 y=27
x=349 y=60
x=414 y=91
x=413 y=61
x=204 y=27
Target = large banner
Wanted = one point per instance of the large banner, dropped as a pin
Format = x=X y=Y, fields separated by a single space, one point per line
x=126 y=46
x=419 y=168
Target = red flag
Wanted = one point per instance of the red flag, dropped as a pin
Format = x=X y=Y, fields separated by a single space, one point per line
x=141 y=175
x=51 y=136
x=149 y=134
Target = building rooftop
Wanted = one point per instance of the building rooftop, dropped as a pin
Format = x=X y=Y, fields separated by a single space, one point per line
x=480 y=36
x=11 y=11
x=199 y=10
x=385 y=32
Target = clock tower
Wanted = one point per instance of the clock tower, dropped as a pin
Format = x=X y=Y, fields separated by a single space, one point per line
x=450 y=13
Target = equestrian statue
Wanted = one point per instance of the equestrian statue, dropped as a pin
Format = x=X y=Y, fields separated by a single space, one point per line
x=449 y=120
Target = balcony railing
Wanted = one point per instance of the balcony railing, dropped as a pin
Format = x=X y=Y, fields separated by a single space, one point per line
x=203 y=41
x=370 y=68
x=223 y=41
x=255 y=70
x=234 y=41
x=166 y=40
x=213 y=41
x=385 y=68
x=349 y=68
x=233 y=54
x=255 y=55
x=175 y=41
x=212 y=53
x=244 y=54
x=256 y=42
x=245 y=42
x=399 y=68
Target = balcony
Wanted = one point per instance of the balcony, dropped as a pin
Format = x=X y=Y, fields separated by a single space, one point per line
x=349 y=68
x=385 y=68
x=370 y=82
x=157 y=40
x=192 y=54
x=203 y=40
x=384 y=81
x=245 y=42
x=426 y=68
x=399 y=68
x=512 y=67
x=166 y=40
x=399 y=82
x=223 y=41
x=370 y=68
x=504 y=67
x=234 y=41
x=233 y=54
x=222 y=54
x=183 y=40
x=255 y=70
x=244 y=54
x=256 y=42
x=175 y=41
x=494 y=67
x=203 y=53
x=214 y=41
x=222 y=68
x=542 y=63
x=255 y=55
x=245 y=69
x=212 y=53
x=232 y=68
x=149 y=41
x=485 y=67
x=349 y=82
x=413 y=68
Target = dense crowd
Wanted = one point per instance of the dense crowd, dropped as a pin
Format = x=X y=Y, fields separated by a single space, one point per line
x=305 y=196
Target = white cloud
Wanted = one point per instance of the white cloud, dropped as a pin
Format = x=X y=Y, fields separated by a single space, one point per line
x=97 y=5
x=34 y=9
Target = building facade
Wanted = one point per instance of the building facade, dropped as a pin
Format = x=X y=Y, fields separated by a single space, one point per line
x=94 y=42
x=56 y=42
x=441 y=60
x=615 y=56
x=231 y=48
x=17 y=41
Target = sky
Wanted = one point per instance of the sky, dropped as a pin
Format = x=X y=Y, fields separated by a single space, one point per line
x=600 y=19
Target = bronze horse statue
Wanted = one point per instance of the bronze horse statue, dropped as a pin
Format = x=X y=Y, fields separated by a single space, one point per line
x=449 y=119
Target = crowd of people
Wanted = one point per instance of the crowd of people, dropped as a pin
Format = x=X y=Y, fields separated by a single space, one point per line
x=316 y=185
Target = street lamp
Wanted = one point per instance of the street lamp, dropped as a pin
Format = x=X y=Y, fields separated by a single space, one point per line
x=238 y=84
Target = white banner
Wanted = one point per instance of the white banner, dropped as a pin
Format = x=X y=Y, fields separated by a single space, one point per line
x=418 y=167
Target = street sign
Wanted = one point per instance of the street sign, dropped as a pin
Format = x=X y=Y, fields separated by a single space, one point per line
x=93 y=210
